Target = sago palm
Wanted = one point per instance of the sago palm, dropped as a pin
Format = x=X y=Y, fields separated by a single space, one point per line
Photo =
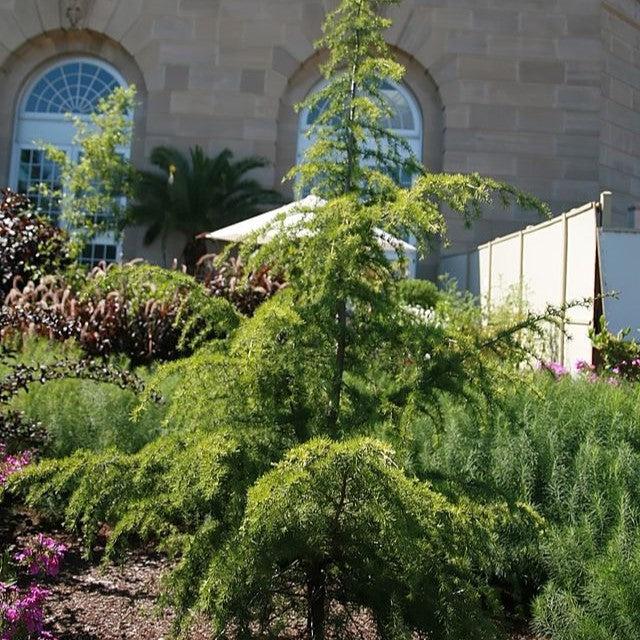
x=192 y=193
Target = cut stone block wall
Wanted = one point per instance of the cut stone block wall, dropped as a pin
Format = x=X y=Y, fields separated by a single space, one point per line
x=620 y=138
x=542 y=93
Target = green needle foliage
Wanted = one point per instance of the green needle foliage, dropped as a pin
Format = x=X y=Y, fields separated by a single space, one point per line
x=572 y=449
x=338 y=537
x=332 y=256
x=343 y=285
x=353 y=146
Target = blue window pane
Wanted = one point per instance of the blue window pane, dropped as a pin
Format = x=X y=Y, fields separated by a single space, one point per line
x=73 y=87
x=59 y=84
x=39 y=88
x=104 y=77
x=54 y=74
x=31 y=103
x=71 y=67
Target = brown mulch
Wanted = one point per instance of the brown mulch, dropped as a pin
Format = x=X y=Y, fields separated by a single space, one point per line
x=90 y=602
x=117 y=602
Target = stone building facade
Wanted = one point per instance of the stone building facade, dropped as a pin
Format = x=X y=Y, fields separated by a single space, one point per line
x=544 y=94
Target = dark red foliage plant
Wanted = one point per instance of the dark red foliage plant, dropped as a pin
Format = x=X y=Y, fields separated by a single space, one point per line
x=30 y=246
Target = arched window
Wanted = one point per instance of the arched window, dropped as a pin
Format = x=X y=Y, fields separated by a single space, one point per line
x=70 y=87
x=405 y=121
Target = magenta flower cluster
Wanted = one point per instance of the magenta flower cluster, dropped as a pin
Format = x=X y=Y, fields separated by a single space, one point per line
x=614 y=376
x=22 y=613
x=11 y=464
x=22 y=607
x=556 y=369
x=42 y=557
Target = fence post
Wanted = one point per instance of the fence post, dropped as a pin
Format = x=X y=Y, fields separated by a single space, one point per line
x=490 y=284
x=565 y=264
x=606 y=208
x=521 y=275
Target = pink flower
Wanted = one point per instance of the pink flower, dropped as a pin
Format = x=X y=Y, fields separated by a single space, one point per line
x=584 y=366
x=12 y=464
x=556 y=368
x=12 y=614
x=21 y=611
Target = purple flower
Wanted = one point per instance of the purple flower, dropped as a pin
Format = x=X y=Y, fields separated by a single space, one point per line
x=43 y=556
x=555 y=368
x=12 y=614
x=12 y=464
x=584 y=366
x=21 y=612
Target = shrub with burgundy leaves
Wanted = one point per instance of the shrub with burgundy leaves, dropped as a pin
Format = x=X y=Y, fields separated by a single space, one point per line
x=30 y=246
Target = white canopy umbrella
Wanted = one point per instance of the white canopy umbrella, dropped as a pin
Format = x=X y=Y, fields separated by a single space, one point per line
x=291 y=215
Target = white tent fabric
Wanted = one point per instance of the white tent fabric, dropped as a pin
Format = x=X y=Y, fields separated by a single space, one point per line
x=293 y=214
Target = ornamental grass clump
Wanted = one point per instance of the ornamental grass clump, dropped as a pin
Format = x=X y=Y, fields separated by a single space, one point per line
x=54 y=402
x=141 y=311
x=229 y=279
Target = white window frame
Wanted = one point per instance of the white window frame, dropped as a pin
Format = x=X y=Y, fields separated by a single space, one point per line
x=60 y=132
x=414 y=137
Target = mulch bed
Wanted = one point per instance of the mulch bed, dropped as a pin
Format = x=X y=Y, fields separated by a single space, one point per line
x=89 y=602
x=117 y=602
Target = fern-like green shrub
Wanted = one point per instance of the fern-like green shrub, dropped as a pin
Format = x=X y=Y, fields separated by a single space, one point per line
x=335 y=521
x=54 y=400
x=337 y=536
x=572 y=449
x=164 y=494
x=269 y=377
